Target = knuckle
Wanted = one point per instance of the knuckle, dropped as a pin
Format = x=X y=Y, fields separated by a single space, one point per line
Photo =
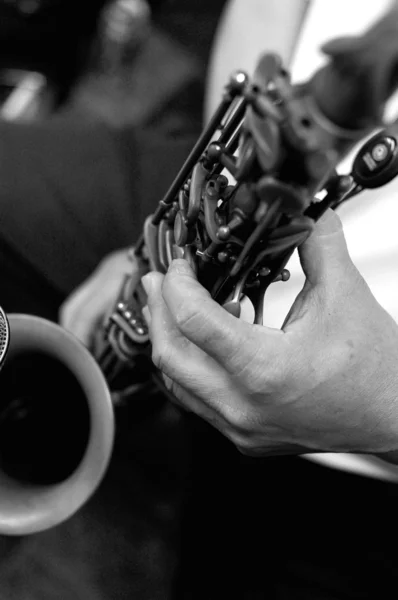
x=161 y=357
x=241 y=421
x=236 y=419
x=256 y=377
x=246 y=368
x=186 y=318
x=169 y=384
x=258 y=368
x=267 y=380
x=246 y=448
x=256 y=385
x=245 y=444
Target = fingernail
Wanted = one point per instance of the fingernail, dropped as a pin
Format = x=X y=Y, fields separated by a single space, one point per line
x=147 y=283
x=181 y=266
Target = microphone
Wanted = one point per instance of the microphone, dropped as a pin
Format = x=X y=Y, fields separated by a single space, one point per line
x=4 y=336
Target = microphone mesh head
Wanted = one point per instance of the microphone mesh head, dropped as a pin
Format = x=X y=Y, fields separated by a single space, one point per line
x=4 y=336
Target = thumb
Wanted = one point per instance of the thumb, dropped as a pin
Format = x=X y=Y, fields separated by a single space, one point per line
x=324 y=254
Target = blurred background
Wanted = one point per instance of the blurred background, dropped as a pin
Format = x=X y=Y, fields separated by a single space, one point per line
x=100 y=102
x=92 y=95
x=103 y=56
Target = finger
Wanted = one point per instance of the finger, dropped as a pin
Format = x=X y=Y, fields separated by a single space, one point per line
x=74 y=301
x=233 y=343
x=184 y=363
x=324 y=254
x=85 y=308
x=82 y=318
x=173 y=354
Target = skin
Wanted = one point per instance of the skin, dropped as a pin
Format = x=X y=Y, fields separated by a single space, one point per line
x=325 y=382
x=86 y=308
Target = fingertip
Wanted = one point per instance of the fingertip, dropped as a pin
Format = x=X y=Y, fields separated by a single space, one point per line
x=146 y=281
x=181 y=287
x=146 y=313
x=151 y=282
x=180 y=266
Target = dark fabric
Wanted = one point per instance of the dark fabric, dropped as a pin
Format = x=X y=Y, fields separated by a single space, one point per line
x=194 y=26
x=180 y=514
x=284 y=529
x=71 y=192
x=68 y=196
x=42 y=167
x=55 y=39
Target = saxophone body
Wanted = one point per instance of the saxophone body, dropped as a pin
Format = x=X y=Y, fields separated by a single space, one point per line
x=261 y=174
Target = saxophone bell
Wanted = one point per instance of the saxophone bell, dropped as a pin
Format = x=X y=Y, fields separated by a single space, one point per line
x=56 y=426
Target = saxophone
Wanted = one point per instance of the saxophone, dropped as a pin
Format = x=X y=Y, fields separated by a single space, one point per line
x=260 y=175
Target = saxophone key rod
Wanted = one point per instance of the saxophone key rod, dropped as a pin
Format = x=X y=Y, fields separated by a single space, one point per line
x=234 y=88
